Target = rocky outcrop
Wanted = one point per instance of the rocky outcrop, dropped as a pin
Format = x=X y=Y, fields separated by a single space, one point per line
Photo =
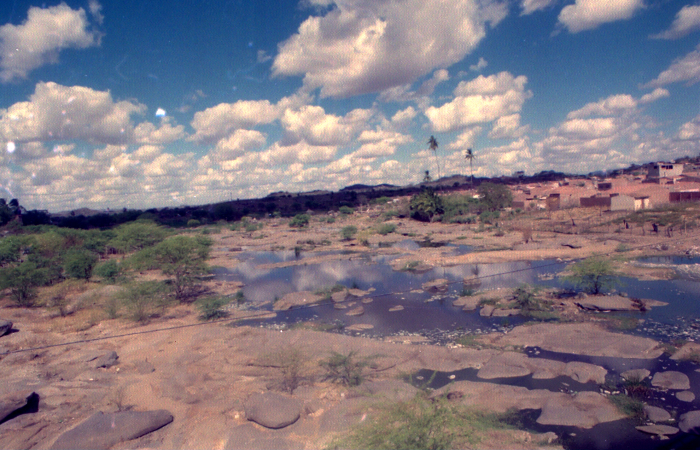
x=671 y=380
x=511 y=364
x=685 y=396
x=272 y=410
x=616 y=303
x=5 y=327
x=467 y=303
x=356 y=311
x=18 y=403
x=105 y=430
x=396 y=308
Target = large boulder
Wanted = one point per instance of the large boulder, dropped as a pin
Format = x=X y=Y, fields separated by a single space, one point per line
x=272 y=410
x=300 y=298
x=467 y=303
x=5 y=327
x=635 y=374
x=18 y=403
x=358 y=311
x=671 y=380
x=105 y=360
x=656 y=414
x=105 y=430
x=685 y=396
x=690 y=422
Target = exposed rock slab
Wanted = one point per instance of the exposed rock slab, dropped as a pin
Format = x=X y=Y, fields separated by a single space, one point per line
x=505 y=312
x=392 y=390
x=671 y=380
x=5 y=327
x=616 y=303
x=293 y=299
x=359 y=327
x=656 y=414
x=467 y=303
x=341 y=296
x=104 y=360
x=272 y=410
x=658 y=430
x=690 y=422
x=580 y=339
x=356 y=311
x=102 y=431
x=584 y=410
x=486 y=310
x=511 y=364
x=686 y=351
x=396 y=308
x=357 y=292
x=685 y=396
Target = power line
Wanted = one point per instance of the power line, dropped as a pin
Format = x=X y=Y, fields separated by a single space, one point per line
x=315 y=305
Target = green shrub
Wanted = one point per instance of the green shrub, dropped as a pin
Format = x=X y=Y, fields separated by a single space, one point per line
x=425 y=206
x=380 y=201
x=592 y=275
x=346 y=210
x=137 y=235
x=193 y=223
x=386 y=228
x=489 y=216
x=210 y=308
x=109 y=270
x=9 y=250
x=494 y=196
x=22 y=281
x=299 y=221
x=344 y=369
x=348 y=232
x=142 y=299
x=79 y=264
x=184 y=258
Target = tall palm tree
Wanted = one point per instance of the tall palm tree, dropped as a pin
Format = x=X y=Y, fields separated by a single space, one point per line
x=470 y=157
x=433 y=145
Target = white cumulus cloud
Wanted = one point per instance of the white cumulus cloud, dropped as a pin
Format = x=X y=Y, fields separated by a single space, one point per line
x=589 y=14
x=686 y=68
x=481 y=100
x=530 y=6
x=362 y=46
x=40 y=38
x=687 y=21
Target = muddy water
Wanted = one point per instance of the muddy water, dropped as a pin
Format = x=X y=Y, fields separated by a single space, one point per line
x=423 y=312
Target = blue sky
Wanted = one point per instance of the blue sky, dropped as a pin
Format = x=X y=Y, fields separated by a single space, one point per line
x=164 y=103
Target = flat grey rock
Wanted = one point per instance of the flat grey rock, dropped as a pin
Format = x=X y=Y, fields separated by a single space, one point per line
x=656 y=414
x=436 y=286
x=467 y=303
x=396 y=308
x=659 y=430
x=505 y=312
x=272 y=410
x=5 y=327
x=690 y=422
x=356 y=311
x=671 y=380
x=102 y=431
x=685 y=396
x=585 y=410
x=339 y=297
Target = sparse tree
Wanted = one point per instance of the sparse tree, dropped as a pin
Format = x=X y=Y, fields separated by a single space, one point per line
x=433 y=146
x=469 y=155
x=593 y=275
x=427 y=176
x=184 y=257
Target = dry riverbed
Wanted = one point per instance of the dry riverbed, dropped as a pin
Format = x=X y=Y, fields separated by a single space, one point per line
x=205 y=375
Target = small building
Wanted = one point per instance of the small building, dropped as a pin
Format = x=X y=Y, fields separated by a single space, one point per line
x=615 y=202
x=604 y=186
x=621 y=203
x=665 y=170
x=641 y=202
x=553 y=201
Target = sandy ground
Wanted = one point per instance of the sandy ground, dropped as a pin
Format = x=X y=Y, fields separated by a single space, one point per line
x=203 y=374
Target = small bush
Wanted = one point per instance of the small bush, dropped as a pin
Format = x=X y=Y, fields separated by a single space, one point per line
x=348 y=232
x=193 y=223
x=79 y=264
x=108 y=271
x=299 y=221
x=386 y=228
x=426 y=205
x=143 y=299
x=211 y=308
x=344 y=369
x=346 y=210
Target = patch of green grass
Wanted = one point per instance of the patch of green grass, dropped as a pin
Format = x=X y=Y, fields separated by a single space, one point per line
x=345 y=369
x=493 y=301
x=629 y=406
x=211 y=308
x=422 y=423
x=386 y=228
